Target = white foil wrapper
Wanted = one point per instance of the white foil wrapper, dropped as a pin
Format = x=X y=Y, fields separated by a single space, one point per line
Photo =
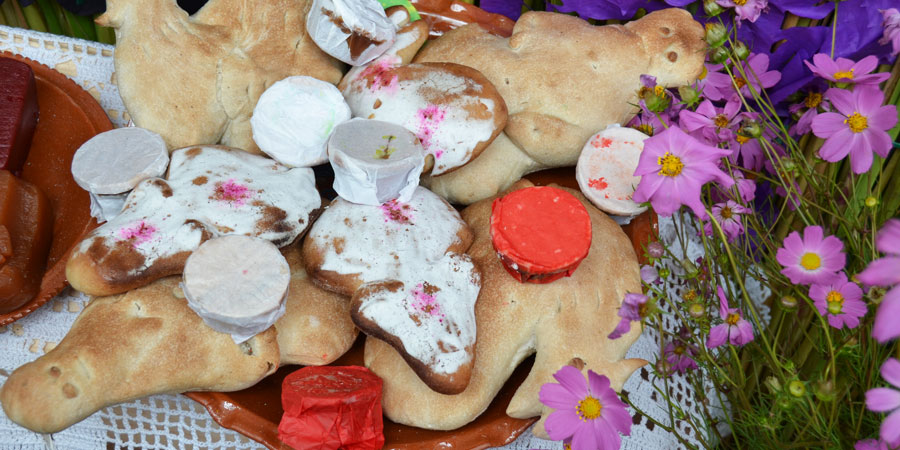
x=294 y=118
x=362 y=174
x=115 y=161
x=353 y=31
x=240 y=330
x=105 y=207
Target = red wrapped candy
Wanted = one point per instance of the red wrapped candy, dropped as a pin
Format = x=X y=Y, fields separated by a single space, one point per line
x=540 y=233
x=330 y=407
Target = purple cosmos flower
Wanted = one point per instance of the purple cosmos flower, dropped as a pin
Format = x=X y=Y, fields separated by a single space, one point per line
x=650 y=123
x=755 y=73
x=872 y=444
x=649 y=274
x=746 y=187
x=846 y=71
x=748 y=10
x=886 y=272
x=728 y=214
x=858 y=128
x=590 y=413
x=887 y=399
x=679 y=356
x=673 y=167
x=839 y=301
x=634 y=308
x=891 y=29
x=811 y=106
x=811 y=259
x=712 y=124
x=735 y=330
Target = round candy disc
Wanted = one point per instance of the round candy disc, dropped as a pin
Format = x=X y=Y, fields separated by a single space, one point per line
x=605 y=170
x=117 y=160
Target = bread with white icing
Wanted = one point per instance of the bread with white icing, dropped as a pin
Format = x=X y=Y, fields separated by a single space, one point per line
x=210 y=191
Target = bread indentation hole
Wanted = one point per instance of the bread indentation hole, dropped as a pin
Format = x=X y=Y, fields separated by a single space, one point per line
x=577 y=363
x=672 y=56
x=665 y=31
x=55 y=372
x=246 y=348
x=377 y=104
x=69 y=390
x=138 y=310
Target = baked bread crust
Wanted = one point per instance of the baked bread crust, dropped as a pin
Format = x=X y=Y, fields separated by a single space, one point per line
x=560 y=321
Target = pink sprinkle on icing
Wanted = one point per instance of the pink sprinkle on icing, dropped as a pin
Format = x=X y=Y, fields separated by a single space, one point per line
x=138 y=233
x=381 y=76
x=232 y=192
x=438 y=153
x=427 y=121
x=426 y=303
x=395 y=211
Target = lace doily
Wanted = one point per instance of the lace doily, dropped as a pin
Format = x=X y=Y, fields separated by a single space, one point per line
x=173 y=421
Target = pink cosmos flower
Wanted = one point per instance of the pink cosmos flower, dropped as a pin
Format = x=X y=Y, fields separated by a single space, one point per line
x=728 y=214
x=886 y=272
x=650 y=123
x=811 y=259
x=634 y=308
x=590 y=413
x=846 y=71
x=649 y=274
x=748 y=10
x=673 y=167
x=735 y=330
x=756 y=73
x=858 y=128
x=839 y=301
x=872 y=444
x=713 y=124
x=813 y=105
x=679 y=356
x=887 y=399
x=891 y=29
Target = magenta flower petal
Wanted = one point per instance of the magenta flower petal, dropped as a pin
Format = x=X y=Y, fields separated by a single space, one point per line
x=888 y=239
x=886 y=325
x=884 y=118
x=861 y=154
x=837 y=146
x=557 y=397
x=842 y=100
x=585 y=438
x=890 y=371
x=890 y=428
x=881 y=272
x=623 y=327
x=717 y=335
x=882 y=399
x=742 y=333
x=606 y=435
x=572 y=379
x=599 y=385
x=827 y=124
x=562 y=423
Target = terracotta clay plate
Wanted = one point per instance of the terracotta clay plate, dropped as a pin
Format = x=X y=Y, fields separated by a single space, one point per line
x=69 y=117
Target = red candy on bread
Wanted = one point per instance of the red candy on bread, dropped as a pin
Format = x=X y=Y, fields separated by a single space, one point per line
x=332 y=407
x=18 y=113
x=540 y=233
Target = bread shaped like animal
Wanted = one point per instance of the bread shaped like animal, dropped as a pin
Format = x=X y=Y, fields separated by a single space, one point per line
x=196 y=79
x=562 y=321
x=562 y=80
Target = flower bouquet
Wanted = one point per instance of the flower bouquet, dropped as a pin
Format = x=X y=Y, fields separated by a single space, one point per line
x=785 y=321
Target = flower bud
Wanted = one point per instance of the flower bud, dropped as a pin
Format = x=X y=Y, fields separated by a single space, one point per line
x=871 y=202
x=751 y=128
x=664 y=273
x=689 y=95
x=789 y=302
x=740 y=50
x=656 y=99
x=696 y=310
x=716 y=34
x=788 y=166
x=797 y=388
x=719 y=55
x=773 y=384
x=690 y=268
x=824 y=390
x=655 y=250
x=711 y=8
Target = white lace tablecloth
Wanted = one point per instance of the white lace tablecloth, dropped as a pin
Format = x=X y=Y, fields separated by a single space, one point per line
x=173 y=421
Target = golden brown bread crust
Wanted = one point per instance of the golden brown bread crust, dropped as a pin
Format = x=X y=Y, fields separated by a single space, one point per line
x=569 y=318
x=563 y=80
x=208 y=70
x=316 y=328
x=128 y=346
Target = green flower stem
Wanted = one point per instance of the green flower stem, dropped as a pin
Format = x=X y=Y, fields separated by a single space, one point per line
x=50 y=17
x=10 y=16
x=34 y=18
x=82 y=27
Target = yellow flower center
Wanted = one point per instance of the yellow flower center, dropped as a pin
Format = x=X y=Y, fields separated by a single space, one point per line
x=740 y=2
x=645 y=128
x=726 y=213
x=740 y=82
x=690 y=295
x=835 y=302
x=642 y=310
x=857 y=122
x=733 y=319
x=589 y=408
x=844 y=74
x=670 y=165
x=704 y=72
x=721 y=121
x=813 y=100
x=742 y=139
x=810 y=261
x=679 y=350
x=567 y=446
x=659 y=91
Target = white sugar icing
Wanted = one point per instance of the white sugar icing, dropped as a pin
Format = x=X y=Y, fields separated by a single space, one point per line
x=294 y=118
x=210 y=191
x=434 y=319
x=375 y=161
x=334 y=24
x=605 y=170
x=237 y=284
x=115 y=161
x=435 y=104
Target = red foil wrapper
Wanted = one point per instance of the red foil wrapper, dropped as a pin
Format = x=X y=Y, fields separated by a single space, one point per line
x=541 y=233
x=330 y=408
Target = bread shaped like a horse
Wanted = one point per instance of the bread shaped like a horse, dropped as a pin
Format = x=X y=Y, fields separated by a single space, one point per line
x=562 y=80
